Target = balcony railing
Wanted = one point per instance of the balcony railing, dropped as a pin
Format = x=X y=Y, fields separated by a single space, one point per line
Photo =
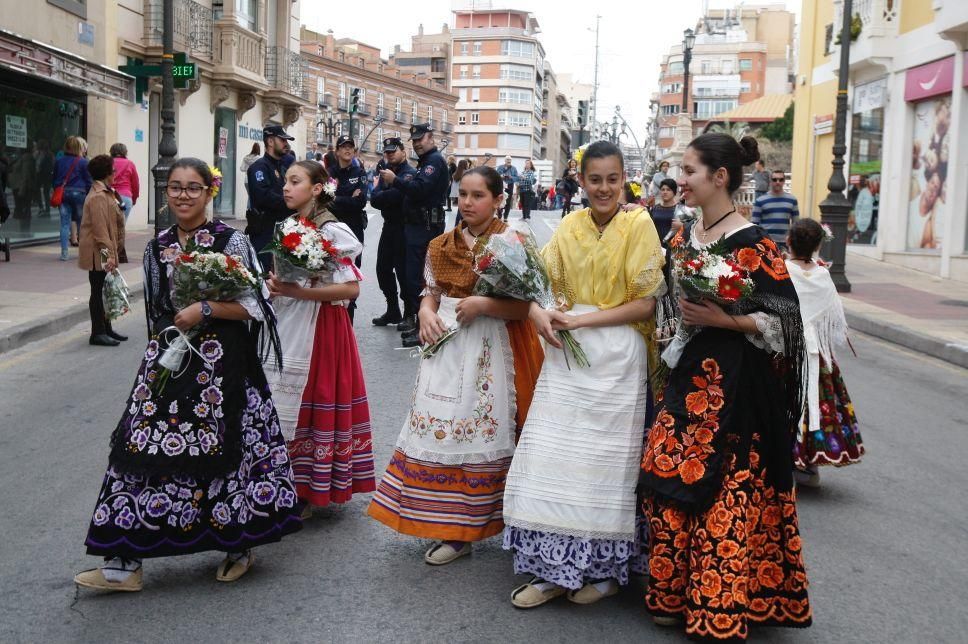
x=238 y=51
x=286 y=71
x=342 y=104
x=446 y=127
x=398 y=117
x=363 y=108
x=878 y=18
x=381 y=112
x=194 y=24
x=414 y=119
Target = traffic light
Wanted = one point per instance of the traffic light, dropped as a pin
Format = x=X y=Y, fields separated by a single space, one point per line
x=354 y=100
x=582 y=111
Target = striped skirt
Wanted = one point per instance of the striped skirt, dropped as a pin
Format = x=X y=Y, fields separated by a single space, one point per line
x=452 y=502
x=331 y=452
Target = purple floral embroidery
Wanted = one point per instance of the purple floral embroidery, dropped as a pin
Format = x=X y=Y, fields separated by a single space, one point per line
x=211 y=350
x=201 y=410
x=173 y=444
x=212 y=395
x=149 y=408
x=264 y=493
x=102 y=514
x=286 y=498
x=169 y=254
x=279 y=455
x=214 y=488
x=221 y=513
x=204 y=239
x=260 y=449
x=141 y=392
x=188 y=516
x=152 y=351
x=206 y=440
x=139 y=438
x=158 y=504
x=125 y=518
x=202 y=378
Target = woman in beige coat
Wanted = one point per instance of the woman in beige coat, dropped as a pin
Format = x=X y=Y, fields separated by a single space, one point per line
x=101 y=244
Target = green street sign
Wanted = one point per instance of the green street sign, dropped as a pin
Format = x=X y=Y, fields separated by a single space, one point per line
x=183 y=71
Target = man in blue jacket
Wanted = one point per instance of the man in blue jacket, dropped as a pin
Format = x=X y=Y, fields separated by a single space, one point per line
x=425 y=219
x=510 y=176
x=266 y=177
x=349 y=206
x=392 y=252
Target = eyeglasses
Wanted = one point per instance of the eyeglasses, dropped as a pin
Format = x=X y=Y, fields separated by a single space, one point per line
x=193 y=190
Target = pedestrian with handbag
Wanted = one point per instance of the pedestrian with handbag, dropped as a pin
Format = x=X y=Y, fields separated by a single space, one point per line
x=71 y=184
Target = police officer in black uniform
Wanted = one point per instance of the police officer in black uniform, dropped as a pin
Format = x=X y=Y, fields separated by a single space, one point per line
x=425 y=219
x=349 y=205
x=391 y=253
x=266 y=177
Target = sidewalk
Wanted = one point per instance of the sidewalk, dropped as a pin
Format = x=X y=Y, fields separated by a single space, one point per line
x=41 y=296
x=918 y=311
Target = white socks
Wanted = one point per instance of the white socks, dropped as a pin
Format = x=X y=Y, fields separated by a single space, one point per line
x=605 y=586
x=117 y=570
x=543 y=585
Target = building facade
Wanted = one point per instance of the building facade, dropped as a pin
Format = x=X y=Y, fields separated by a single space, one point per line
x=556 y=125
x=907 y=129
x=429 y=55
x=497 y=70
x=391 y=98
x=739 y=56
x=249 y=74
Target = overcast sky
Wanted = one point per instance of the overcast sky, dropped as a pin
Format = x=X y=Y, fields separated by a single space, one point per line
x=633 y=37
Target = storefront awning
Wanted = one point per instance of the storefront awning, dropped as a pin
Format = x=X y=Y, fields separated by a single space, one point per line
x=25 y=56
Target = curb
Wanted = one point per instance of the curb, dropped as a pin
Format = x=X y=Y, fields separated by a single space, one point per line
x=21 y=334
x=956 y=354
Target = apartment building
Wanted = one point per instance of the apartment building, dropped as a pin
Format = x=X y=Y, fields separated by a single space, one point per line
x=497 y=70
x=391 y=98
x=739 y=56
x=429 y=55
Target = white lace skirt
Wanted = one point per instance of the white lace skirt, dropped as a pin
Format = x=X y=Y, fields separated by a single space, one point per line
x=577 y=462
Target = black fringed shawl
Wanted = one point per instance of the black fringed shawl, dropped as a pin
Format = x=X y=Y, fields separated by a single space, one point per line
x=725 y=389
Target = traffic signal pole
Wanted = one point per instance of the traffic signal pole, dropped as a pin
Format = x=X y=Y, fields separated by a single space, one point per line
x=167 y=145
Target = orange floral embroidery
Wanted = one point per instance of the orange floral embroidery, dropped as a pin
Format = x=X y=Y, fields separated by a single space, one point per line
x=748 y=259
x=670 y=452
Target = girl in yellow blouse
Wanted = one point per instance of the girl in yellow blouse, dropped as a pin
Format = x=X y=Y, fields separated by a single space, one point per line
x=569 y=500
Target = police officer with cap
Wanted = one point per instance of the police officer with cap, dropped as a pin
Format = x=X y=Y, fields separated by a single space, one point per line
x=425 y=219
x=391 y=253
x=266 y=177
x=349 y=205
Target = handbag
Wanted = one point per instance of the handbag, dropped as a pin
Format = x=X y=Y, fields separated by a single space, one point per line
x=57 y=196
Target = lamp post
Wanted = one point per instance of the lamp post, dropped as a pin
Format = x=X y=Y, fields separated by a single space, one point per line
x=328 y=126
x=167 y=147
x=835 y=209
x=688 y=41
x=627 y=129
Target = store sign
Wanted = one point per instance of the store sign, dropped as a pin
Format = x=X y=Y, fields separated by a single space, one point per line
x=933 y=79
x=870 y=96
x=16 y=131
x=823 y=124
x=249 y=132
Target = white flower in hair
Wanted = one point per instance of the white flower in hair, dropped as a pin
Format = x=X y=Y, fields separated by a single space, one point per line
x=330 y=187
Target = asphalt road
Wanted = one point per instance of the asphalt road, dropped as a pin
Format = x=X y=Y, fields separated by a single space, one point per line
x=884 y=540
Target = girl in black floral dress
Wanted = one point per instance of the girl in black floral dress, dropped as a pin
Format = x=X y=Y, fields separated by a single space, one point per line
x=724 y=546
x=202 y=465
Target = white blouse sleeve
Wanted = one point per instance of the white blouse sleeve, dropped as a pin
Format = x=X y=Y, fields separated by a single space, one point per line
x=430 y=284
x=348 y=246
x=770 y=336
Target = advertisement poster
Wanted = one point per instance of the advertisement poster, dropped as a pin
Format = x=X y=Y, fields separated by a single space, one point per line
x=223 y=142
x=929 y=173
x=16 y=131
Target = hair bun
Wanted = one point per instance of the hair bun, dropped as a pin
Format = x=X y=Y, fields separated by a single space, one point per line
x=751 y=150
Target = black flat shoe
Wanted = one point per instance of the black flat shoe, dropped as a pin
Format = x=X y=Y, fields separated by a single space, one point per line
x=103 y=340
x=388 y=318
x=117 y=336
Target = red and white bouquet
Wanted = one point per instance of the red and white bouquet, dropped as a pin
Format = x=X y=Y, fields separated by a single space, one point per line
x=303 y=250
x=711 y=274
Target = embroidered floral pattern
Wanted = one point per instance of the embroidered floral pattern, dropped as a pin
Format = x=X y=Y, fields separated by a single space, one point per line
x=740 y=561
x=669 y=453
x=198 y=431
x=158 y=505
x=838 y=441
x=465 y=430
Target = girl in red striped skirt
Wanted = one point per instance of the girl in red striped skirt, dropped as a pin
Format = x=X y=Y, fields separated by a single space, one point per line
x=320 y=391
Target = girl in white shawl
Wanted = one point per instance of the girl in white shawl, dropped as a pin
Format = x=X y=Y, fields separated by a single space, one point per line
x=828 y=434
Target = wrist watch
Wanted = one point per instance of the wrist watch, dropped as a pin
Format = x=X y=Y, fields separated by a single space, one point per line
x=206 y=310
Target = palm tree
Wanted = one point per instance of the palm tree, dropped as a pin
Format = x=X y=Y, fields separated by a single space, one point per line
x=735 y=130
